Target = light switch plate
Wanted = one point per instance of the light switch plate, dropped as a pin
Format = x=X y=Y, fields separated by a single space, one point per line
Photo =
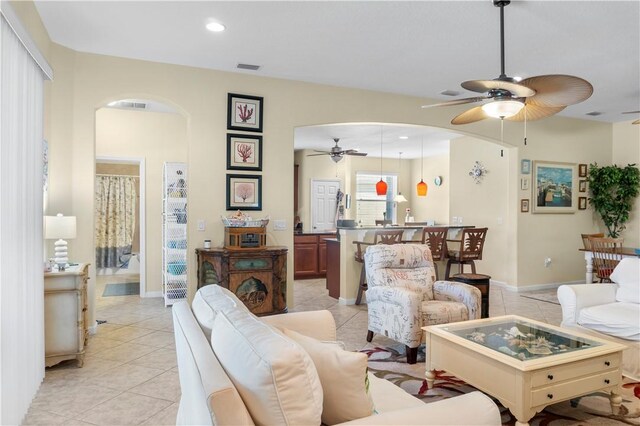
x=279 y=225
x=202 y=224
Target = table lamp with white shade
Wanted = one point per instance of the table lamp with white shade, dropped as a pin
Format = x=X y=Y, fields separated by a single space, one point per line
x=60 y=227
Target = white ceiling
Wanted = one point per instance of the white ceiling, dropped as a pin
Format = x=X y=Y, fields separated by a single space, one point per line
x=417 y=48
x=365 y=137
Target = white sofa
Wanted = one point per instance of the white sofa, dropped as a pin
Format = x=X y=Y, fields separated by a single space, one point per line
x=609 y=311
x=209 y=396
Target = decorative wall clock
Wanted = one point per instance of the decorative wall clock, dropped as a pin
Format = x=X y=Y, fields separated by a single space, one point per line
x=438 y=180
x=478 y=172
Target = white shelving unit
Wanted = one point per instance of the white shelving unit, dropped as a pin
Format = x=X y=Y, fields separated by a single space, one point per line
x=174 y=233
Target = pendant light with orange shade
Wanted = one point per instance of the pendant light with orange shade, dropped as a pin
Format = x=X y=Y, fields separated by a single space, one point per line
x=381 y=186
x=422 y=187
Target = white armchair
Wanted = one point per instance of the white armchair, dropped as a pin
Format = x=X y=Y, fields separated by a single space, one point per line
x=610 y=311
x=403 y=296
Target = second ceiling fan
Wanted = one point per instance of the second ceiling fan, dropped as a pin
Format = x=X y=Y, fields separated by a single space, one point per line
x=530 y=99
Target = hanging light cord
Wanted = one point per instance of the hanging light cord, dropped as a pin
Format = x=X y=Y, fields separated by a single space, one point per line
x=380 y=152
x=422 y=160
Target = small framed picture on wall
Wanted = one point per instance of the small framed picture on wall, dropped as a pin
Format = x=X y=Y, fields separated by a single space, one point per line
x=582 y=170
x=525 y=167
x=244 y=112
x=244 y=192
x=582 y=203
x=244 y=152
x=524 y=205
x=582 y=186
x=524 y=183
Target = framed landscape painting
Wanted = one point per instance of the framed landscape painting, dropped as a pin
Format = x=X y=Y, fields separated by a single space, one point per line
x=244 y=192
x=244 y=152
x=555 y=186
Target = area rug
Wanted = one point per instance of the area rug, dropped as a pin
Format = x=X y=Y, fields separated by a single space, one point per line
x=390 y=363
x=549 y=296
x=121 y=289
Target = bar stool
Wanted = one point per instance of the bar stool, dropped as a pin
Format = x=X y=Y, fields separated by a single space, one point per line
x=380 y=237
x=436 y=238
x=607 y=253
x=471 y=245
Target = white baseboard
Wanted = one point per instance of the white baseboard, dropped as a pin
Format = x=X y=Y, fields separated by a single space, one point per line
x=152 y=294
x=93 y=329
x=534 y=287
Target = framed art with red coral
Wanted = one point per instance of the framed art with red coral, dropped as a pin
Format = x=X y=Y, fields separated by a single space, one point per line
x=244 y=152
x=244 y=192
x=244 y=112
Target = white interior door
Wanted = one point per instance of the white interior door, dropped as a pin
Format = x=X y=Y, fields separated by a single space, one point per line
x=323 y=204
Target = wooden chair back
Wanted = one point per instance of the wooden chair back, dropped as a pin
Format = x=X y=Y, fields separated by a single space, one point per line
x=436 y=239
x=585 y=239
x=391 y=236
x=607 y=253
x=472 y=243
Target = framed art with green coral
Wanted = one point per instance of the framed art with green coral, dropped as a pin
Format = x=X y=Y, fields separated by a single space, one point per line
x=613 y=190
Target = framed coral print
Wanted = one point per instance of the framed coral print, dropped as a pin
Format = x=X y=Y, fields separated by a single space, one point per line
x=244 y=152
x=554 y=187
x=244 y=192
x=244 y=112
x=524 y=205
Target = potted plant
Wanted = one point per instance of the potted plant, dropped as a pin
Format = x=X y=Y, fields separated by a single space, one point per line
x=613 y=190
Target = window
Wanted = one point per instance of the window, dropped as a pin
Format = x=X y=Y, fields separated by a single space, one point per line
x=371 y=206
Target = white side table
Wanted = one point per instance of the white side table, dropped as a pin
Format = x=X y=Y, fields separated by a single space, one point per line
x=65 y=314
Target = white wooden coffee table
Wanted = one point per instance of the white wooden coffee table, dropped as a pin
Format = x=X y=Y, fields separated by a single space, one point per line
x=525 y=364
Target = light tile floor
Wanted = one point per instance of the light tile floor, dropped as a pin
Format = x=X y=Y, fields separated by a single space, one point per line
x=130 y=374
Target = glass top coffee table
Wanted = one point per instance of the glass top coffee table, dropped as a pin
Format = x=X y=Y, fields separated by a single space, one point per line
x=525 y=364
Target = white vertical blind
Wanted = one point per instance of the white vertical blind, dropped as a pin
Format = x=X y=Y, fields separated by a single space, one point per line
x=21 y=245
x=369 y=205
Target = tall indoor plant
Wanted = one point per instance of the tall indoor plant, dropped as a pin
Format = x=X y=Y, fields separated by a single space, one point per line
x=613 y=190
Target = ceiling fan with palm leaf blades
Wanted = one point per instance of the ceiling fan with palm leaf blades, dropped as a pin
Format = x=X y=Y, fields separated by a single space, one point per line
x=633 y=112
x=337 y=153
x=530 y=99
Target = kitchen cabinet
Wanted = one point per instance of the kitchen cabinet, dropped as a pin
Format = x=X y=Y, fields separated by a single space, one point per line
x=310 y=255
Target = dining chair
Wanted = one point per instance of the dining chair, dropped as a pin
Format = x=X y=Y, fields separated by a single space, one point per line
x=470 y=250
x=607 y=253
x=436 y=238
x=387 y=236
x=585 y=239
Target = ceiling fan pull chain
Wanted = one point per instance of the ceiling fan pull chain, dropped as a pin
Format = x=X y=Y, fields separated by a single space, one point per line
x=502 y=132
x=525 y=124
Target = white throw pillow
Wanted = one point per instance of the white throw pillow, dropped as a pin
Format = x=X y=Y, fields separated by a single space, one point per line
x=208 y=301
x=627 y=276
x=275 y=377
x=343 y=376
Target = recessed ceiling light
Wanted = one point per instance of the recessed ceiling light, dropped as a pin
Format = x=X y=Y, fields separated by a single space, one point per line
x=403 y=137
x=216 y=27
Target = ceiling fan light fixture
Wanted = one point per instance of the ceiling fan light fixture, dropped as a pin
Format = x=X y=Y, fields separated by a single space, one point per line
x=336 y=158
x=502 y=108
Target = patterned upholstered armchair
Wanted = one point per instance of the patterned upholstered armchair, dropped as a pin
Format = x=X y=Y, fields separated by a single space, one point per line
x=403 y=296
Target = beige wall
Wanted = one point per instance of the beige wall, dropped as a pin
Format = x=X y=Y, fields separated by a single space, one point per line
x=158 y=138
x=435 y=206
x=484 y=204
x=626 y=150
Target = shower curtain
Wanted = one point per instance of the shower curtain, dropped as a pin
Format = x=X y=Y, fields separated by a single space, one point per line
x=115 y=219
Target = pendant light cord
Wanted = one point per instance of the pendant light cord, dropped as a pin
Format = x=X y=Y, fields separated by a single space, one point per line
x=380 y=152
x=422 y=160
